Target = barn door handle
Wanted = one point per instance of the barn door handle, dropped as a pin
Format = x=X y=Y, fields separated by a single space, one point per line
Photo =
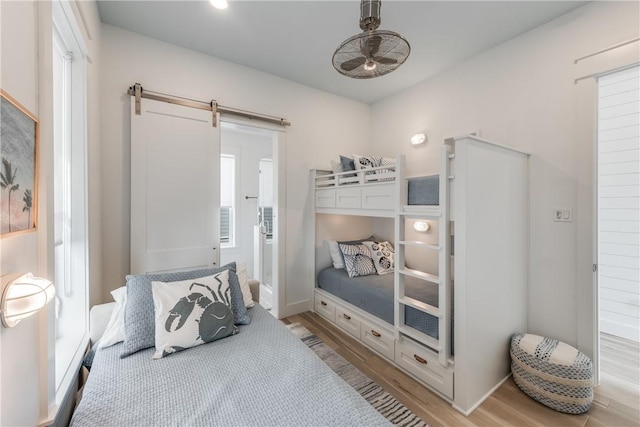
x=346 y=316
x=250 y=197
x=375 y=334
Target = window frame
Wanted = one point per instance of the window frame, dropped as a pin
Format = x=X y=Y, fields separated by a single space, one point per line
x=66 y=32
x=233 y=211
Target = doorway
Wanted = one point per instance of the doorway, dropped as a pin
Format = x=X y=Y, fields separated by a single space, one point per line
x=618 y=227
x=249 y=195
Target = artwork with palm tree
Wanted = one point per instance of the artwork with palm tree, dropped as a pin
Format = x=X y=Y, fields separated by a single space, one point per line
x=18 y=166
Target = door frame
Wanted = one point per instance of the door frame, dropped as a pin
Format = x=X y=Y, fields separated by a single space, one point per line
x=279 y=139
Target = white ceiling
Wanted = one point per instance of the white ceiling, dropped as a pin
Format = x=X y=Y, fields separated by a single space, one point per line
x=296 y=39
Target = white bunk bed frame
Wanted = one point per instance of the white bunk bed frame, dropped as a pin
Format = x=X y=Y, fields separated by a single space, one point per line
x=484 y=192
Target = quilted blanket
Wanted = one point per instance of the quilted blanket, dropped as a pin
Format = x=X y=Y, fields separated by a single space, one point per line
x=263 y=376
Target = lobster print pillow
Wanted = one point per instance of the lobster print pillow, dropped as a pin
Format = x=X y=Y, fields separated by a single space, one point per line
x=192 y=312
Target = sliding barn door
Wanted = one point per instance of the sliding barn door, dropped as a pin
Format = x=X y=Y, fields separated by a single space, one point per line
x=175 y=188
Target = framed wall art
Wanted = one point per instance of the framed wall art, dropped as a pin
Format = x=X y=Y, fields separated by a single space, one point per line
x=18 y=167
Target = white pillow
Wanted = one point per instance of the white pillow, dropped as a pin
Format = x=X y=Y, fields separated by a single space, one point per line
x=114 y=331
x=192 y=312
x=336 y=255
x=241 y=268
x=336 y=166
x=382 y=255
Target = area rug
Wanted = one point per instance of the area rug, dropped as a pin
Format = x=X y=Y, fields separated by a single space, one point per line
x=382 y=401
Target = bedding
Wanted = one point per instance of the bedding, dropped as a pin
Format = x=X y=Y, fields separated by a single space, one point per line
x=262 y=376
x=374 y=294
x=192 y=312
x=139 y=313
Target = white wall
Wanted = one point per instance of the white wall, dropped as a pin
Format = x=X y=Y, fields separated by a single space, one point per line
x=322 y=125
x=521 y=94
x=26 y=363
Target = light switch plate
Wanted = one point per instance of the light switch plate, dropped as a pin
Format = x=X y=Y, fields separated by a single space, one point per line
x=563 y=215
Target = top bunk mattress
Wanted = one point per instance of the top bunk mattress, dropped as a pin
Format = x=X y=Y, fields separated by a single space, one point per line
x=374 y=294
x=262 y=376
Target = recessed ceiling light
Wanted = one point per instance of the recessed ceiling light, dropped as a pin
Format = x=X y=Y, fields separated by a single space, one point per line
x=219 y=4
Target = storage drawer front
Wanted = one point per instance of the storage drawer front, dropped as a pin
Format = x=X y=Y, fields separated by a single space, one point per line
x=326 y=198
x=325 y=308
x=377 y=339
x=377 y=198
x=347 y=321
x=424 y=365
x=348 y=198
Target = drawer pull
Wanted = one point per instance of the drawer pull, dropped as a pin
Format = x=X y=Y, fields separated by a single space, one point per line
x=375 y=334
x=419 y=359
x=323 y=303
x=346 y=316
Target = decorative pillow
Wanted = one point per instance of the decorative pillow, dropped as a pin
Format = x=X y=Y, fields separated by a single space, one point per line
x=336 y=166
x=357 y=260
x=368 y=162
x=244 y=284
x=382 y=255
x=336 y=255
x=191 y=312
x=139 y=326
x=350 y=242
x=114 y=332
x=347 y=165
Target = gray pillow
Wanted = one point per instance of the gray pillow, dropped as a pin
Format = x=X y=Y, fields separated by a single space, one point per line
x=139 y=315
x=347 y=165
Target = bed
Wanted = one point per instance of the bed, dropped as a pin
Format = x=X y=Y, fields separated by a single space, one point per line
x=263 y=375
x=374 y=294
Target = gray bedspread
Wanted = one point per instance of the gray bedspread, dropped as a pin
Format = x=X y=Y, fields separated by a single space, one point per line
x=374 y=294
x=263 y=376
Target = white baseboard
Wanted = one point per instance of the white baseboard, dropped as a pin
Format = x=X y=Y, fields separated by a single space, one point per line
x=481 y=400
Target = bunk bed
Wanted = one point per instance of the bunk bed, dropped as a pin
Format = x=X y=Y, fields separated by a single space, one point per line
x=409 y=316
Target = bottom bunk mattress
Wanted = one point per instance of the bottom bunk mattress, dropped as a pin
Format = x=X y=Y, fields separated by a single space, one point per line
x=262 y=376
x=374 y=294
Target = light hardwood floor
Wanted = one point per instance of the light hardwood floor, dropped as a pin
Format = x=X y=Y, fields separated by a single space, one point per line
x=614 y=405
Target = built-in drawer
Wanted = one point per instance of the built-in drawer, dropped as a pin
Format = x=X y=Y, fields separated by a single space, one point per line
x=348 y=321
x=325 y=308
x=423 y=364
x=348 y=198
x=378 y=339
x=378 y=197
x=326 y=198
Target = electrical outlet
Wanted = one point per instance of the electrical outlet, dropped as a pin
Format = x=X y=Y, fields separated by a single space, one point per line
x=563 y=215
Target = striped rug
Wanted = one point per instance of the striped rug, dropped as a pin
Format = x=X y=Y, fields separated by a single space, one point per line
x=382 y=401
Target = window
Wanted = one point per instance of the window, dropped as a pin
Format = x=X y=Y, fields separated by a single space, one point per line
x=70 y=198
x=227 y=200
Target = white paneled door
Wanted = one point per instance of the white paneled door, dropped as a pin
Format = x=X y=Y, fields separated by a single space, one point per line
x=175 y=188
x=619 y=203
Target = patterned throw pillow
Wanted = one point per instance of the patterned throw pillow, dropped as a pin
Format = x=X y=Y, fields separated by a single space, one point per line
x=191 y=312
x=139 y=323
x=357 y=260
x=368 y=162
x=382 y=255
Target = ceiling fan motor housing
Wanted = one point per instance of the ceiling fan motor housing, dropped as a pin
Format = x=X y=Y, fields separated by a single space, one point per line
x=370 y=14
x=372 y=53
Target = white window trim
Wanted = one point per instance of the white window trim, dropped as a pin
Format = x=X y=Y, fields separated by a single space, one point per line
x=65 y=24
x=235 y=209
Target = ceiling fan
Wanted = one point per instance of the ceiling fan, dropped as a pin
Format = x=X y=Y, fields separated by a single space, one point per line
x=373 y=52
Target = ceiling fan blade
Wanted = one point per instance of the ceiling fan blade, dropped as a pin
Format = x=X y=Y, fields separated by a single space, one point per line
x=372 y=45
x=354 y=63
x=384 y=60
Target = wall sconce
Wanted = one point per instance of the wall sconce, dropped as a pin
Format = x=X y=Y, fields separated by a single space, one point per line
x=418 y=138
x=422 y=226
x=23 y=296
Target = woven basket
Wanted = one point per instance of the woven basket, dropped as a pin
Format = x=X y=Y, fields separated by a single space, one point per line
x=553 y=373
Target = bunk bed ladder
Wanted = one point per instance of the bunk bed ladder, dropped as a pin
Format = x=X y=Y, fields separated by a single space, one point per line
x=438 y=215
